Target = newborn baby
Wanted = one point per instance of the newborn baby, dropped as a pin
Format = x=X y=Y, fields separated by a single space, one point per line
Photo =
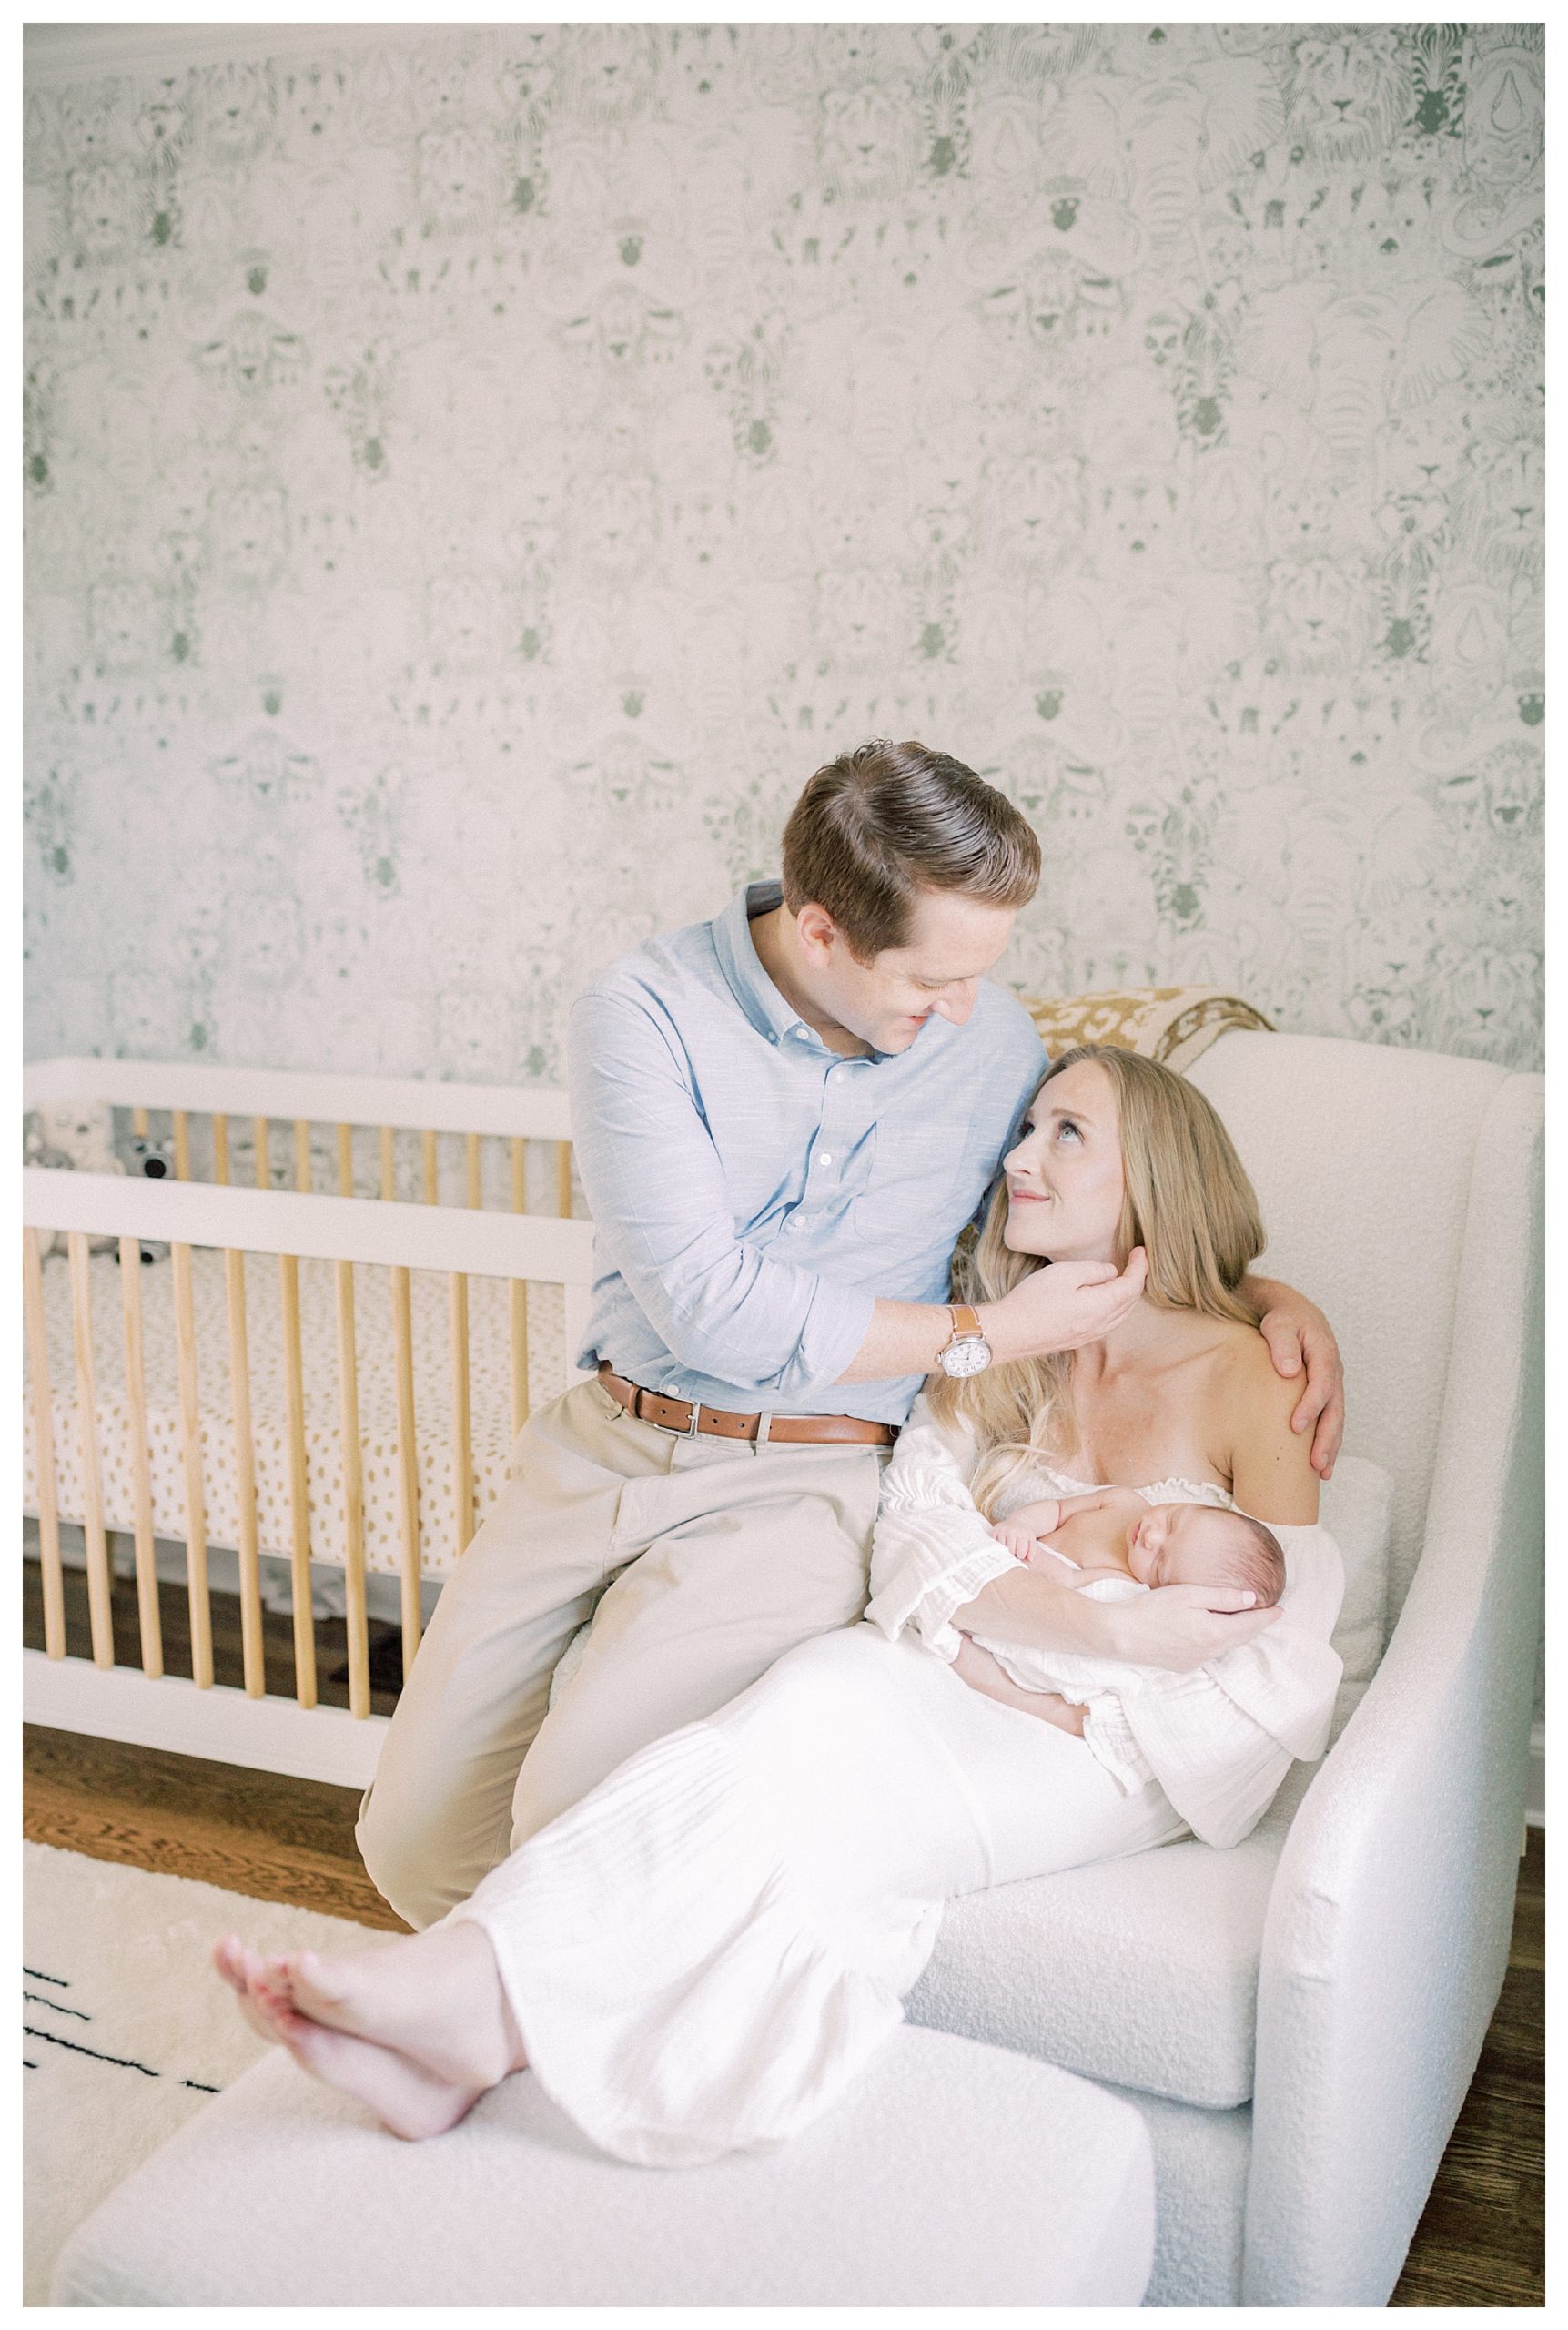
x=1117 y=1545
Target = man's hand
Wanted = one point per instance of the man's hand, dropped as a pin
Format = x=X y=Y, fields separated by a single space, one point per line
x=1299 y=1336
x=1063 y=1307
x=1180 y=1628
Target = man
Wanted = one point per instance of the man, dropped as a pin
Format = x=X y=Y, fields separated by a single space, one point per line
x=782 y=1120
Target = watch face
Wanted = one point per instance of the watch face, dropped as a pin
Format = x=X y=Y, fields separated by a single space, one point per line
x=967 y=1357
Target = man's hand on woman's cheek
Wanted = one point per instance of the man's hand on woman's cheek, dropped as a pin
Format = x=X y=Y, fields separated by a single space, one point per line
x=1064 y=1307
x=1299 y=1339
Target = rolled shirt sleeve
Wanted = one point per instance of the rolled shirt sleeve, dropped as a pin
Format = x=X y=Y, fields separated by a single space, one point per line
x=661 y=1214
x=1288 y=1677
x=1221 y=1738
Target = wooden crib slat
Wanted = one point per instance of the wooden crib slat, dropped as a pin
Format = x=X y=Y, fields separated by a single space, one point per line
x=388 y=1166
x=252 y=1644
x=139 y=1124
x=407 y=1462
x=151 y=1624
x=462 y=1450
x=100 y=1587
x=517 y=1300
x=474 y=1193
x=44 y=1445
x=181 y=1145
x=220 y=1150
x=298 y=1483
x=353 y=1496
x=262 y=1137
x=194 y=1497
x=563 y=1178
x=302 y=1156
x=432 y=1191
x=345 y=1160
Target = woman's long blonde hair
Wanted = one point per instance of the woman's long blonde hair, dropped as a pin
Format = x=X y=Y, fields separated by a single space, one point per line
x=1186 y=1201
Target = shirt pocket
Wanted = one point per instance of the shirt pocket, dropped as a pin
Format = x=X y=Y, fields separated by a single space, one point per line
x=916 y=1191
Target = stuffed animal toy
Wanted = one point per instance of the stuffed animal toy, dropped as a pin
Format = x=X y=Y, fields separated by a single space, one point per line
x=152 y=1160
x=73 y=1136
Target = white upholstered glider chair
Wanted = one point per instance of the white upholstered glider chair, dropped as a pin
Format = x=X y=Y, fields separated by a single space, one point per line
x=1299 y=2018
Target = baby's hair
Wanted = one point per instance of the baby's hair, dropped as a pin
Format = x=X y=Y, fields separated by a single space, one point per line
x=1259 y=1561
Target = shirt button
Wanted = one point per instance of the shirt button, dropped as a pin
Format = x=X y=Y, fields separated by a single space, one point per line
x=824 y=1158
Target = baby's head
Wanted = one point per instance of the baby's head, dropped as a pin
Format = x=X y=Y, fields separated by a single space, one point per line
x=1206 y=1545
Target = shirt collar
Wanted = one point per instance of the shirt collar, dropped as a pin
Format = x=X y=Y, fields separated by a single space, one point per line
x=753 y=989
x=755 y=993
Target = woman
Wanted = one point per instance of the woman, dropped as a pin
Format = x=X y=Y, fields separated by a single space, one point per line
x=699 y=1956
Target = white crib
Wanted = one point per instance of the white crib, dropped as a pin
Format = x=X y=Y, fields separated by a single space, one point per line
x=305 y=1379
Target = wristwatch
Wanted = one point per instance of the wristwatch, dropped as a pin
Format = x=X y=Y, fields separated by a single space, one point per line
x=966 y=1351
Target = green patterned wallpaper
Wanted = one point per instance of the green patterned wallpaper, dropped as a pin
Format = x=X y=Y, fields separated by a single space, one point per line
x=474 y=478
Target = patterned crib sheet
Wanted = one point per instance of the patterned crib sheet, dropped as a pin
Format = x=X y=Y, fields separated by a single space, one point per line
x=489 y=1378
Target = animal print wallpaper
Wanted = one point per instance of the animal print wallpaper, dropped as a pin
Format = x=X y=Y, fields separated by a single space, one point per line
x=474 y=478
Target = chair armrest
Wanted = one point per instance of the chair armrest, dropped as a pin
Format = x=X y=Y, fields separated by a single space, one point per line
x=1388 y=1925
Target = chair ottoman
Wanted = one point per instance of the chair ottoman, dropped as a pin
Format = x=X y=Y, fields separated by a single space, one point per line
x=952 y=2173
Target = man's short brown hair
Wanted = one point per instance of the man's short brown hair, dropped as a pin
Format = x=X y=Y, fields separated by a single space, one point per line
x=882 y=822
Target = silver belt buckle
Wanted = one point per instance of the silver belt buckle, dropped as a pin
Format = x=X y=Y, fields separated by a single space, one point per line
x=690 y=1431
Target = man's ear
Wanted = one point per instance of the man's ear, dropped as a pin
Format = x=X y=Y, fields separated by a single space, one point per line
x=815 y=928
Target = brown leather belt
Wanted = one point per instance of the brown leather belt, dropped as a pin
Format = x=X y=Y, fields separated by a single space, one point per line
x=680 y=1416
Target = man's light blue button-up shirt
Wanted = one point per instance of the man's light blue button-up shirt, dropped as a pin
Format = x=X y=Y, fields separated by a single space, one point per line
x=753 y=1191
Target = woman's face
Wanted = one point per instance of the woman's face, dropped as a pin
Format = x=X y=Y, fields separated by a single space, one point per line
x=1065 y=1177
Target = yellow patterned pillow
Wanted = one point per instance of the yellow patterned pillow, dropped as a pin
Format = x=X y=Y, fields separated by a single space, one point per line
x=1173 y=1024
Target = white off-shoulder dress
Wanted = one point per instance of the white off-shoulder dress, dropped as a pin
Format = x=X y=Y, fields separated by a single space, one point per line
x=702 y=1953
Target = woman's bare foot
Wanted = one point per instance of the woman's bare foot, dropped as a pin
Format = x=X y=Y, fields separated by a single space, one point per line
x=239 y=1968
x=410 y=2102
x=436 y=1998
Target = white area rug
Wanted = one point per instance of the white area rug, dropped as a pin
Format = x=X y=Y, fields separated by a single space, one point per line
x=127 y=2031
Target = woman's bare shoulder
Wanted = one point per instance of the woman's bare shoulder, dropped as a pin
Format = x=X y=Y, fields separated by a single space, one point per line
x=1237 y=1354
x=1270 y=1465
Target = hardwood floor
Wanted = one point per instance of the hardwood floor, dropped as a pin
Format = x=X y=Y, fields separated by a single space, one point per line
x=1481 y=2241
x=1482 y=2237
x=251 y=1832
x=227 y=1659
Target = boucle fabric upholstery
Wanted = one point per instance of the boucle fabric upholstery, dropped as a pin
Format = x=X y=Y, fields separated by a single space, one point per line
x=1200 y=2167
x=1387 y=1933
x=1361 y=1159
x=1143 y=1971
x=954 y=2175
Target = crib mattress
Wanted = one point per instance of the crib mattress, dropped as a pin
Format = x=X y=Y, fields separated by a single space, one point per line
x=490 y=1375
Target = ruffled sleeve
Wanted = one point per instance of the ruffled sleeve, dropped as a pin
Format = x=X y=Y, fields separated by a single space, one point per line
x=932 y=1550
x=1287 y=1679
x=1221 y=1738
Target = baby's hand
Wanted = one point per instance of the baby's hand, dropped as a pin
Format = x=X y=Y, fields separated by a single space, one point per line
x=1020 y=1543
x=1041 y=1514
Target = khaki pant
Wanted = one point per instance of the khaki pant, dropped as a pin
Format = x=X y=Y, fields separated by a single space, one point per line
x=700 y=1562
